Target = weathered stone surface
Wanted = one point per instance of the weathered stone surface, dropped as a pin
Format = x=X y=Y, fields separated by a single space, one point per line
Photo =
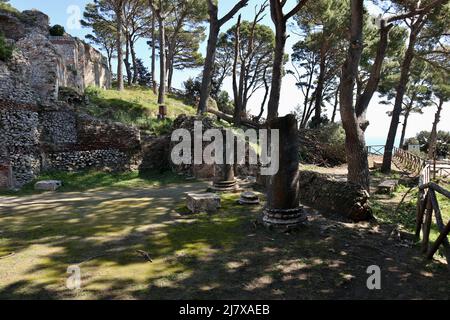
x=283 y=199
x=34 y=139
x=249 y=198
x=387 y=186
x=48 y=185
x=323 y=193
x=5 y=176
x=41 y=64
x=157 y=152
x=377 y=164
x=203 y=202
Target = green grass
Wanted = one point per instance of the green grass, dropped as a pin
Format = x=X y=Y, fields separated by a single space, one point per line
x=406 y=213
x=135 y=106
x=89 y=180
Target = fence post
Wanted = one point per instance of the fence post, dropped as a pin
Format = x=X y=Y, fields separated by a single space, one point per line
x=427 y=224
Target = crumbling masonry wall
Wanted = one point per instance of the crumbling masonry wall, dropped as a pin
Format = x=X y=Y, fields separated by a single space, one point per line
x=35 y=139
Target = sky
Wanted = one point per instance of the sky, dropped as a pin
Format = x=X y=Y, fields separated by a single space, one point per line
x=66 y=13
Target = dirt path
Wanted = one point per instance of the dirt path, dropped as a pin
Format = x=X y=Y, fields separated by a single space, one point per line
x=224 y=256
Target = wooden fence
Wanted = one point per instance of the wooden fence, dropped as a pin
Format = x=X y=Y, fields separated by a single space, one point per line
x=427 y=203
x=375 y=150
x=410 y=161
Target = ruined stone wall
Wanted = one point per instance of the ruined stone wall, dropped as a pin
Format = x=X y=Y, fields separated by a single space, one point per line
x=35 y=139
x=322 y=192
x=84 y=65
x=41 y=64
x=19 y=138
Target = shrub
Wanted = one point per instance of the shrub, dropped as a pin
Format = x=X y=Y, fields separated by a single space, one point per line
x=9 y=8
x=324 y=146
x=57 y=30
x=6 y=50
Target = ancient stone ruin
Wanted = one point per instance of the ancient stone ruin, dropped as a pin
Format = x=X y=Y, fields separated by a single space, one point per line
x=42 y=64
x=40 y=132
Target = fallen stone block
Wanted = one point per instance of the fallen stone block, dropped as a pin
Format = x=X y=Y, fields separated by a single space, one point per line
x=48 y=185
x=203 y=202
x=388 y=186
x=377 y=164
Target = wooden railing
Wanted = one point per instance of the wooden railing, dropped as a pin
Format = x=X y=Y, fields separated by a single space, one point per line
x=427 y=204
x=410 y=161
x=375 y=150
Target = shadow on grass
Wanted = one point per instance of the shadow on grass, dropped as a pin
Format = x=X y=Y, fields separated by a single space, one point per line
x=222 y=256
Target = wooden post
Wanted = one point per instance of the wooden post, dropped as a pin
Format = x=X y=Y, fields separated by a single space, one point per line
x=427 y=224
x=439 y=241
x=421 y=201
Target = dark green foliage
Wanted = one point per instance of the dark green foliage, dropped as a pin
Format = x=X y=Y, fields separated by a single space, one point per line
x=6 y=50
x=144 y=76
x=192 y=89
x=423 y=138
x=57 y=31
x=324 y=146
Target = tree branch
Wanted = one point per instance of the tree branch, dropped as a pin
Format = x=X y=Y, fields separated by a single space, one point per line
x=241 y=4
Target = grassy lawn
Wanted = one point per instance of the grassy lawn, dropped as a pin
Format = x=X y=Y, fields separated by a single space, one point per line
x=89 y=180
x=405 y=216
x=136 y=106
x=227 y=255
x=103 y=223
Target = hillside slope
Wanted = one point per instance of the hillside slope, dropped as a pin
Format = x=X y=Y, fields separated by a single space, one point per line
x=135 y=106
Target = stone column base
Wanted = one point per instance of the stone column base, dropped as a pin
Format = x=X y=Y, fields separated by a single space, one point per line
x=225 y=186
x=286 y=218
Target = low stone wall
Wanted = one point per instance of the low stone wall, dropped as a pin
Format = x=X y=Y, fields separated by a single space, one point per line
x=323 y=193
x=99 y=134
x=156 y=153
x=110 y=159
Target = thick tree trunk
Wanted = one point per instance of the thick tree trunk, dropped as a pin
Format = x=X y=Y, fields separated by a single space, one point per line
x=154 y=85
x=401 y=89
x=162 y=62
x=277 y=74
x=319 y=91
x=205 y=91
x=358 y=168
x=120 y=85
x=433 y=136
x=170 y=75
x=214 y=29
x=127 y=60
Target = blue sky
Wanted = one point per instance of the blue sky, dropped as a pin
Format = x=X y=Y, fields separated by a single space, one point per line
x=62 y=12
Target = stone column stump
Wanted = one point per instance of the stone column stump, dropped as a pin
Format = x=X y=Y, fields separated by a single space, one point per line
x=283 y=200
